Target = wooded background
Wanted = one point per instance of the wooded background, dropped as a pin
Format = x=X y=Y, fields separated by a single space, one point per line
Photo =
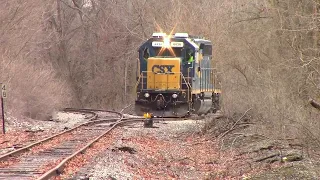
x=83 y=53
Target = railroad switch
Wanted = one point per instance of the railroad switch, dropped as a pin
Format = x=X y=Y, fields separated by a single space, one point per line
x=148 y=122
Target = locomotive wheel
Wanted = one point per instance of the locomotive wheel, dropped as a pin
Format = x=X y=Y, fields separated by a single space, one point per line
x=181 y=110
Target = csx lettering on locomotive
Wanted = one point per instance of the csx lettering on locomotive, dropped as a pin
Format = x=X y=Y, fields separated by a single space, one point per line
x=162 y=68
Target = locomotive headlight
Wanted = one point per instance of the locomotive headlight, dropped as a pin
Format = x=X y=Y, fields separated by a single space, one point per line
x=174 y=96
x=166 y=42
x=146 y=95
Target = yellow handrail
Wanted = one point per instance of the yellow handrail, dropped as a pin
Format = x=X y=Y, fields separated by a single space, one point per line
x=188 y=85
x=141 y=77
x=213 y=74
x=137 y=83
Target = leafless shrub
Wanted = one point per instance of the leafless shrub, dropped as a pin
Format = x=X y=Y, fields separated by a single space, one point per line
x=32 y=85
x=273 y=66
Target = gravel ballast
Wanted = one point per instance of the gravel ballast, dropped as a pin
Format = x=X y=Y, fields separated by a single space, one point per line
x=127 y=158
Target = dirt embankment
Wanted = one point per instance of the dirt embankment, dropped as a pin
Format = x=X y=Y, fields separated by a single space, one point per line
x=262 y=157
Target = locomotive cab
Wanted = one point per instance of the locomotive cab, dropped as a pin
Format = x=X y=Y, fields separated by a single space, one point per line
x=169 y=82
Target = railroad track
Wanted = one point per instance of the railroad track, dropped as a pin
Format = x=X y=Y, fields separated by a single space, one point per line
x=46 y=158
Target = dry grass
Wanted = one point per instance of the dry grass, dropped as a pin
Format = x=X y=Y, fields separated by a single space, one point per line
x=33 y=91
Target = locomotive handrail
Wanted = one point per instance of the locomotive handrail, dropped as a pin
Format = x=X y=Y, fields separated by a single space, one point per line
x=141 y=79
x=138 y=81
x=188 y=85
x=208 y=74
x=185 y=80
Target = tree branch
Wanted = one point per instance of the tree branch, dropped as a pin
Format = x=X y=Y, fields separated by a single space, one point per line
x=234 y=125
x=314 y=104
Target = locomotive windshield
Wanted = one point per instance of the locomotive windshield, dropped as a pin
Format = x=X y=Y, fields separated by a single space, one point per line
x=168 y=48
x=186 y=54
x=168 y=52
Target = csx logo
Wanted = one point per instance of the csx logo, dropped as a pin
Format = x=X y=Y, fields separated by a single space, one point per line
x=162 y=68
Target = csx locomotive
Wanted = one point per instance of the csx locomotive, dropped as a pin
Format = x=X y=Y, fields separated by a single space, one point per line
x=175 y=76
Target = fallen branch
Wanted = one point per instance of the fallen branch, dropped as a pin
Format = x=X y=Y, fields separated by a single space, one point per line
x=185 y=158
x=314 y=104
x=125 y=108
x=249 y=135
x=234 y=125
x=4 y=142
x=267 y=157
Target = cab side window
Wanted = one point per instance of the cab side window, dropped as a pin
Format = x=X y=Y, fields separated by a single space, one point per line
x=146 y=54
x=189 y=56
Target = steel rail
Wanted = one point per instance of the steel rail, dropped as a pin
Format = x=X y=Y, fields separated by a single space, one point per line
x=67 y=110
x=92 y=120
x=91 y=110
x=59 y=168
x=26 y=148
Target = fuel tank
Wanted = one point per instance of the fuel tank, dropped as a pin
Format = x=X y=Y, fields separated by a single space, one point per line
x=203 y=103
